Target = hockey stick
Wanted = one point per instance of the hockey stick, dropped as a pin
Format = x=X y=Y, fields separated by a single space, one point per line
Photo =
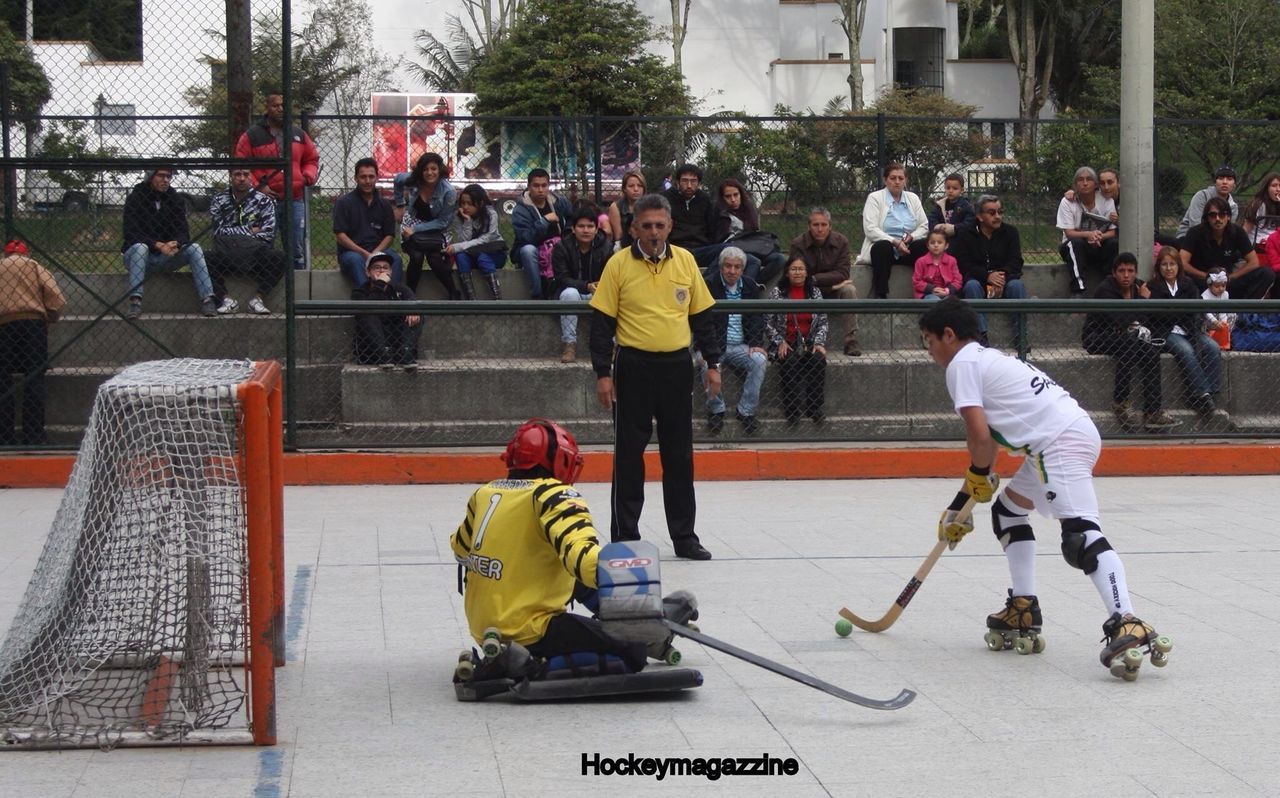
x=897 y=702
x=909 y=592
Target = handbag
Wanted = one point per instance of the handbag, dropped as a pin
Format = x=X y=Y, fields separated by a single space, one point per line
x=427 y=241
x=761 y=243
x=544 y=256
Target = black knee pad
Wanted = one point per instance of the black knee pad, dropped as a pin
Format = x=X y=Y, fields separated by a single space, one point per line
x=1075 y=551
x=1009 y=526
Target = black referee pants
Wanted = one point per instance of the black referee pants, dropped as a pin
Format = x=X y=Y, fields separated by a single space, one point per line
x=653 y=386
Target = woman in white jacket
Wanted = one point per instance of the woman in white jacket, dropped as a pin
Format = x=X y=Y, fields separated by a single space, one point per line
x=895 y=229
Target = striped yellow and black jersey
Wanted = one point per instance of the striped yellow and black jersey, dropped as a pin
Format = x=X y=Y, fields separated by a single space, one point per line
x=524 y=543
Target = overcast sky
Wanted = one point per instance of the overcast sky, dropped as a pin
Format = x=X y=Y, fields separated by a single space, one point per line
x=395 y=22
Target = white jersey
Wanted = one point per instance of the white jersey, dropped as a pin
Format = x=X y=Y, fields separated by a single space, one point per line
x=1075 y=216
x=1026 y=410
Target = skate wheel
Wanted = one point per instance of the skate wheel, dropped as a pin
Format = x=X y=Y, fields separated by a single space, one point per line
x=1117 y=667
x=994 y=641
x=1037 y=646
x=491 y=643
x=1023 y=645
x=1159 y=659
x=1163 y=644
x=693 y=626
x=466 y=668
x=1133 y=658
x=672 y=657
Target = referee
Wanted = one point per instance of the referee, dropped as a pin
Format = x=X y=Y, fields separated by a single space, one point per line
x=652 y=300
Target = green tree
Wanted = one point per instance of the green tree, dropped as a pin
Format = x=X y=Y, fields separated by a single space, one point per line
x=928 y=150
x=448 y=59
x=318 y=67
x=787 y=162
x=69 y=140
x=1215 y=60
x=575 y=58
x=28 y=85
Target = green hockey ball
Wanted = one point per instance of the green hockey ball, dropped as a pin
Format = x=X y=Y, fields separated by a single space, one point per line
x=843 y=627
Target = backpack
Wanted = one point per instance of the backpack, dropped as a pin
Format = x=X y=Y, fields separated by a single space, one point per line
x=1256 y=332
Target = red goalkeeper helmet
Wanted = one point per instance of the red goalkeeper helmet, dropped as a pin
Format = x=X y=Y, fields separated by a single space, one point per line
x=542 y=443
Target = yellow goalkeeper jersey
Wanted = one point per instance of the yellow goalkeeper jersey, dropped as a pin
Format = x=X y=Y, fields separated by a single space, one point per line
x=524 y=543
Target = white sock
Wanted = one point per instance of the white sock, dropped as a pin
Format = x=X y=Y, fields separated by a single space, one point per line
x=1109 y=580
x=1021 y=555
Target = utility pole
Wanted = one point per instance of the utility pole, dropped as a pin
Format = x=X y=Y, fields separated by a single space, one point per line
x=1137 y=125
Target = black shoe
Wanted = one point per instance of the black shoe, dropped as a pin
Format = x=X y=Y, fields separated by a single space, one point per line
x=749 y=424
x=852 y=349
x=818 y=417
x=408 y=359
x=386 y=359
x=693 y=551
x=715 y=423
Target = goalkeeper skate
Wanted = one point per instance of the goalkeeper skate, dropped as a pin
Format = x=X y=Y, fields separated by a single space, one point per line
x=1017 y=626
x=1126 y=637
x=496 y=660
x=629 y=603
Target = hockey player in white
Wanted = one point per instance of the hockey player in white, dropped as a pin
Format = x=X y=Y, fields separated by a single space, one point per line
x=1007 y=402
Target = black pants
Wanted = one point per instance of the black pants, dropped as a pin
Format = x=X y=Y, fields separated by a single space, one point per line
x=24 y=345
x=804 y=380
x=1083 y=257
x=436 y=260
x=883 y=255
x=375 y=333
x=568 y=633
x=649 y=386
x=1132 y=356
x=264 y=264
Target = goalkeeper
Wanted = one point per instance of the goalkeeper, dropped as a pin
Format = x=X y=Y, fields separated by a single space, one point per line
x=528 y=546
x=1009 y=402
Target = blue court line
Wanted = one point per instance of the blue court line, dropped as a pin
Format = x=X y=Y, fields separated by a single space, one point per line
x=297 y=609
x=270 y=767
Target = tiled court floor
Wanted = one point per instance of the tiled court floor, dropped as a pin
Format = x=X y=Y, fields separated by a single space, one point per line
x=375 y=623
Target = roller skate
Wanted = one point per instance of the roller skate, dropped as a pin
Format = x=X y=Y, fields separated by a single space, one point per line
x=1017 y=626
x=1126 y=637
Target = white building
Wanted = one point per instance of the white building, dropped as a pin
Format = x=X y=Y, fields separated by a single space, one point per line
x=751 y=55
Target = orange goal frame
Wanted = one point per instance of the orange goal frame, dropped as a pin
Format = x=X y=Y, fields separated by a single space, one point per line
x=263 y=478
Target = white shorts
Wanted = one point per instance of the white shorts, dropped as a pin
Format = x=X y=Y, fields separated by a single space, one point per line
x=1060 y=479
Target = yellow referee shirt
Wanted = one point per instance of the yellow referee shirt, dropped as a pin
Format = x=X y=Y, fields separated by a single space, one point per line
x=652 y=302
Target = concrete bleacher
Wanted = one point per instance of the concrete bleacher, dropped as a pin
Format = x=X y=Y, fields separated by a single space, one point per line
x=471 y=386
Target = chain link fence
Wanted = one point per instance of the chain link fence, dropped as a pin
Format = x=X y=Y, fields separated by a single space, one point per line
x=103 y=131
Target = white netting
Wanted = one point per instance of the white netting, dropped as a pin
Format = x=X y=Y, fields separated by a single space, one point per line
x=134 y=620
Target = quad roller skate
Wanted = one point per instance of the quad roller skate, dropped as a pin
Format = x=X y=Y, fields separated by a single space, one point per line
x=1017 y=626
x=508 y=660
x=1126 y=637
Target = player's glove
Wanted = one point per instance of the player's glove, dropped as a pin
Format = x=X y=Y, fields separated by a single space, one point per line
x=980 y=483
x=950 y=527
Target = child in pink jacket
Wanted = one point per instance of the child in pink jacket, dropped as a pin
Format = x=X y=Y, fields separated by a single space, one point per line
x=937 y=275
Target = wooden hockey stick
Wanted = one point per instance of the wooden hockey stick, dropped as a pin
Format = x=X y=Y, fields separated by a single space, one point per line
x=909 y=592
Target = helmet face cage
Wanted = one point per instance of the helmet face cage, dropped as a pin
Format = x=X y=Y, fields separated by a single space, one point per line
x=542 y=443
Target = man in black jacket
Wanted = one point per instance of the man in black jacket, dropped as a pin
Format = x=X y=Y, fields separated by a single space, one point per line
x=156 y=238
x=741 y=337
x=385 y=340
x=578 y=261
x=693 y=215
x=990 y=258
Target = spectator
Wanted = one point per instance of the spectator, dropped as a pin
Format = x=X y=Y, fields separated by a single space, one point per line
x=29 y=303
x=1224 y=182
x=477 y=241
x=652 y=301
x=826 y=253
x=1109 y=185
x=364 y=223
x=990 y=258
x=266 y=140
x=741 y=337
x=1261 y=217
x=738 y=222
x=244 y=225
x=385 y=340
x=156 y=238
x=937 y=276
x=693 y=215
x=425 y=205
x=578 y=261
x=894 y=226
x=1196 y=354
x=1219 y=324
x=538 y=218
x=1088 y=232
x=620 y=212
x=1125 y=336
x=953 y=210
x=1219 y=243
x=798 y=342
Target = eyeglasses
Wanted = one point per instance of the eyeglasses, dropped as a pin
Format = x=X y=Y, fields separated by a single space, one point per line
x=1218 y=215
x=652 y=225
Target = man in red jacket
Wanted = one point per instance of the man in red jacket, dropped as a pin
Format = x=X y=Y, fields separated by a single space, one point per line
x=265 y=139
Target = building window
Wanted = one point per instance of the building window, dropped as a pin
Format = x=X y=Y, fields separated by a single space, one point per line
x=917 y=58
x=115 y=119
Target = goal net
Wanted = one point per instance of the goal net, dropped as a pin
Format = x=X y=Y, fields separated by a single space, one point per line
x=153 y=615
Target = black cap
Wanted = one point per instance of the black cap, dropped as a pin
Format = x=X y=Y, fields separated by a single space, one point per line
x=1224 y=171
